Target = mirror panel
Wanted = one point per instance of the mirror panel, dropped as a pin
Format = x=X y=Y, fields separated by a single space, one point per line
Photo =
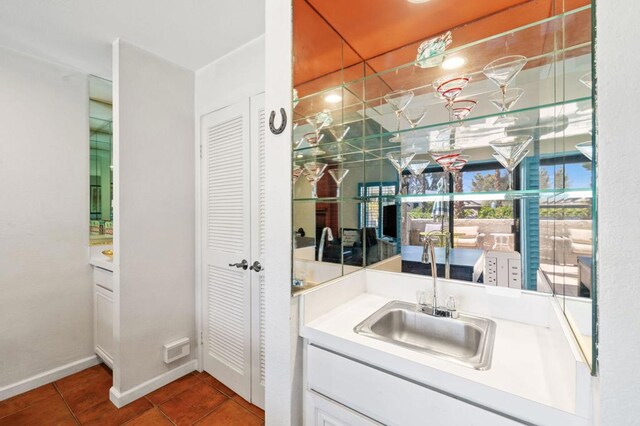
x=528 y=205
x=101 y=163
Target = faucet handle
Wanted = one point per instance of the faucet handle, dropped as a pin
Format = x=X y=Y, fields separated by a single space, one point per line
x=451 y=303
x=421 y=298
x=451 y=306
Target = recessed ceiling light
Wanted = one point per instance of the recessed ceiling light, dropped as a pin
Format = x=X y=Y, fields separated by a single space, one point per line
x=417 y=1
x=453 y=62
x=333 y=98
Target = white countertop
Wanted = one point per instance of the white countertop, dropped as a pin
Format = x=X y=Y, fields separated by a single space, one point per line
x=102 y=261
x=524 y=374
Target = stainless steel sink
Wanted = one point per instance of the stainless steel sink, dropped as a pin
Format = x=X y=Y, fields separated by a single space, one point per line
x=466 y=340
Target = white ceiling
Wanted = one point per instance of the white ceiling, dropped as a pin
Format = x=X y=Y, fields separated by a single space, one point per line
x=79 y=33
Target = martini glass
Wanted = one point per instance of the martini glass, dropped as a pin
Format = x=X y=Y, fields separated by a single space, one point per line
x=429 y=50
x=320 y=121
x=313 y=140
x=449 y=87
x=504 y=101
x=398 y=99
x=455 y=167
x=445 y=157
x=461 y=108
x=417 y=169
x=400 y=161
x=297 y=172
x=586 y=148
x=502 y=71
x=338 y=175
x=414 y=115
x=510 y=151
x=316 y=172
x=587 y=80
x=296 y=99
x=339 y=132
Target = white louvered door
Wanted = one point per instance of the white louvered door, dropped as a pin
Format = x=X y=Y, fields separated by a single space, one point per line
x=226 y=226
x=258 y=181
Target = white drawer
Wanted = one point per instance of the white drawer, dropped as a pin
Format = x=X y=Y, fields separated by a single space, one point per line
x=387 y=398
x=103 y=278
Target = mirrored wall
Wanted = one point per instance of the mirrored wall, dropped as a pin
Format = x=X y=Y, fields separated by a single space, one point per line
x=479 y=138
x=101 y=164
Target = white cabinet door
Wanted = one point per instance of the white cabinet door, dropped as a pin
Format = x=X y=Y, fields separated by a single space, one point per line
x=226 y=241
x=320 y=411
x=103 y=324
x=258 y=189
x=390 y=399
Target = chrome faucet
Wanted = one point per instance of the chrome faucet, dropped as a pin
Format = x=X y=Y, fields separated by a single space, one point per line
x=429 y=256
x=326 y=232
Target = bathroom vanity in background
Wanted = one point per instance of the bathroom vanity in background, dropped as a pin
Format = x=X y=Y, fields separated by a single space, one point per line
x=102 y=303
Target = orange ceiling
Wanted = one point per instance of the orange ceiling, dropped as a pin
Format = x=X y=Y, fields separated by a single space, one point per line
x=382 y=34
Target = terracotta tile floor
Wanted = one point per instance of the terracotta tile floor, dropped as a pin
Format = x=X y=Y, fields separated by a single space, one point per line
x=83 y=398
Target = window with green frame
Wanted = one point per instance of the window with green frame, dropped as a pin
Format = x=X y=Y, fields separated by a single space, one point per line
x=378 y=194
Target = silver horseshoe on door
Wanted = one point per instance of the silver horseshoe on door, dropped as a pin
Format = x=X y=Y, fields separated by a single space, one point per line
x=272 y=118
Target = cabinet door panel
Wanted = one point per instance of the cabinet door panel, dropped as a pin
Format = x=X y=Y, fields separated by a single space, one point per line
x=389 y=399
x=103 y=311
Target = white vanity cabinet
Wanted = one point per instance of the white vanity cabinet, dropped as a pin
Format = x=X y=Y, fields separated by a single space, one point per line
x=103 y=314
x=343 y=391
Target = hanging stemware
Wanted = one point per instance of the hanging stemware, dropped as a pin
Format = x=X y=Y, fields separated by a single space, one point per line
x=398 y=99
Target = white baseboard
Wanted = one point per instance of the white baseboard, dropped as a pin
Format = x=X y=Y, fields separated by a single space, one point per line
x=47 y=377
x=121 y=399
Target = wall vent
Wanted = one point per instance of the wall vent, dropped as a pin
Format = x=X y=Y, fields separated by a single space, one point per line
x=176 y=350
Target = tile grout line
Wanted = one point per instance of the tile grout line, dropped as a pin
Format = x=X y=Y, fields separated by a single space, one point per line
x=247 y=410
x=229 y=397
x=55 y=386
x=210 y=412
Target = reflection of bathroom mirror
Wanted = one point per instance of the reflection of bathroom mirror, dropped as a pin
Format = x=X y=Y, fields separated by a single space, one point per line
x=101 y=178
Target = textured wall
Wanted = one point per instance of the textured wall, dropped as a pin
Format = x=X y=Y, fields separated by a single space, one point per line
x=154 y=205
x=45 y=278
x=618 y=151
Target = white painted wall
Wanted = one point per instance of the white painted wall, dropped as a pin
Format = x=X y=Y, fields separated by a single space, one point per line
x=237 y=75
x=618 y=199
x=154 y=210
x=282 y=379
x=45 y=277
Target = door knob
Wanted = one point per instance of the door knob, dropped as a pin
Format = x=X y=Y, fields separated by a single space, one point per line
x=244 y=264
x=256 y=266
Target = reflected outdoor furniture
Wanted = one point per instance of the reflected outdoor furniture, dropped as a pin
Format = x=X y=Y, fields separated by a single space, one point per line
x=466 y=264
x=581 y=241
x=501 y=241
x=467 y=237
